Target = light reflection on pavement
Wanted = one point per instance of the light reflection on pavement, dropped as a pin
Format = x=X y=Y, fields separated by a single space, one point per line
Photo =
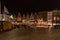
x=25 y=34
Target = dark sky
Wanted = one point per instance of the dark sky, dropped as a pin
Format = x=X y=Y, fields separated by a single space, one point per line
x=31 y=5
x=0 y=7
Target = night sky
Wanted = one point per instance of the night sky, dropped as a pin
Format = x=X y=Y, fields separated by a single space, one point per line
x=31 y=5
x=0 y=7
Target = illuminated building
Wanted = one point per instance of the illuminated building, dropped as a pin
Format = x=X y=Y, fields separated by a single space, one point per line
x=31 y=16
x=19 y=17
x=23 y=18
x=27 y=16
x=5 y=17
x=49 y=16
x=54 y=16
x=0 y=17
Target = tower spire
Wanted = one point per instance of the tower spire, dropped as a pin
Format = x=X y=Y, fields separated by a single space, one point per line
x=5 y=10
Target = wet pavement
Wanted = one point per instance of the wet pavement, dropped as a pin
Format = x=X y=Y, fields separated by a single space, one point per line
x=30 y=34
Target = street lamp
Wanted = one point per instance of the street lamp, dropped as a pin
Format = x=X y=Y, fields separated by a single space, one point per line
x=11 y=16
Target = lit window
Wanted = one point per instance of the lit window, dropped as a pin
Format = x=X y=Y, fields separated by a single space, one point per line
x=57 y=18
x=54 y=18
